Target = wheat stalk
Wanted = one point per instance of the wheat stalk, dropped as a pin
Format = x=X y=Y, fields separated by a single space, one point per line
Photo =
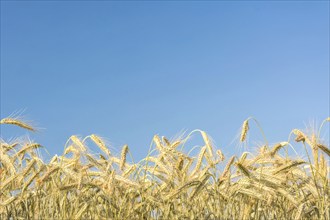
x=199 y=160
x=17 y=122
x=208 y=143
x=245 y=129
x=123 y=157
x=324 y=149
x=100 y=143
x=78 y=142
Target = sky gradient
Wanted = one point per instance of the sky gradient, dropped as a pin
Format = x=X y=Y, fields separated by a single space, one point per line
x=129 y=70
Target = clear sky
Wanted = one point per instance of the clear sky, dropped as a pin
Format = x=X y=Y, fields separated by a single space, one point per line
x=129 y=70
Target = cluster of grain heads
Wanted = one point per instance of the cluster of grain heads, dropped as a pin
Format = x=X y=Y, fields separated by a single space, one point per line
x=170 y=183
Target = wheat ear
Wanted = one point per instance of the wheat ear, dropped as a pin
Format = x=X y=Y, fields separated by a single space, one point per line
x=123 y=157
x=100 y=143
x=17 y=122
x=324 y=149
x=245 y=129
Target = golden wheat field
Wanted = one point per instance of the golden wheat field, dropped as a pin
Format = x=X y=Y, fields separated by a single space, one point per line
x=169 y=183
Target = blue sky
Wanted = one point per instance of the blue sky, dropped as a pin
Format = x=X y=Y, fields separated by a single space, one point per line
x=129 y=70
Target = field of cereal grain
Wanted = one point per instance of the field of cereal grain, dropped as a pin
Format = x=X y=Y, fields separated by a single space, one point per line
x=169 y=183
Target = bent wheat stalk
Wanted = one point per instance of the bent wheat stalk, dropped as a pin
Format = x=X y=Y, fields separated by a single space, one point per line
x=17 y=122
